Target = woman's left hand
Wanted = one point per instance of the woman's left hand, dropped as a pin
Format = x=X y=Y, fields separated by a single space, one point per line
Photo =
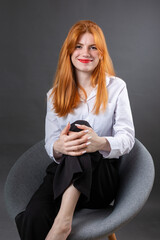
x=94 y=143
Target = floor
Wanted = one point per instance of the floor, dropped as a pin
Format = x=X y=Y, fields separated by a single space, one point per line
x=145 y=226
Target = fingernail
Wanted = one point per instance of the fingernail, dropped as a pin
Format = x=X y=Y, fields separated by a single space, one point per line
x=77 y=125
x=84 y=152
x=86 y=131
x=89 y=137
x=88 y=143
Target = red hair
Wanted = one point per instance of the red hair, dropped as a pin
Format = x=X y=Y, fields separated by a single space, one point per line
x=65 y=96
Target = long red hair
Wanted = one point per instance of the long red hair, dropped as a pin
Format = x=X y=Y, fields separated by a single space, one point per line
x=64 y=95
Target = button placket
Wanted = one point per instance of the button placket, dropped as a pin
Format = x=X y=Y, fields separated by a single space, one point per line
x=85 y=112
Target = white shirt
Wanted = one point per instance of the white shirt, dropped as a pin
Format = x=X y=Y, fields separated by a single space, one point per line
x=115 y=124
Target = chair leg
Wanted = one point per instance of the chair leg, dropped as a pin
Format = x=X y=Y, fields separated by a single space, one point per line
x=112 y=237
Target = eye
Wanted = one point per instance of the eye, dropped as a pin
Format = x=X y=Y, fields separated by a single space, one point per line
x=93 y=47
x=78 y=46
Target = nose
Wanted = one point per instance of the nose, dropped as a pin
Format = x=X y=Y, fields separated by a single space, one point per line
x=86 y=52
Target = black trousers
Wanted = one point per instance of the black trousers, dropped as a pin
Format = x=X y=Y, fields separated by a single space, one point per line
x=95 y=177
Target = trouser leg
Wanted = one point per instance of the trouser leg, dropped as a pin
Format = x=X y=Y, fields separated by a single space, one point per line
x=36 y=221
x=104 y=184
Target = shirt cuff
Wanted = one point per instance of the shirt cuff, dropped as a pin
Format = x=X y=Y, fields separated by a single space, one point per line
x=50 y=153
x=115 y=148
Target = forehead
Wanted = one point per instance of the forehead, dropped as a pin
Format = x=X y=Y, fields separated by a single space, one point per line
x=86 y=38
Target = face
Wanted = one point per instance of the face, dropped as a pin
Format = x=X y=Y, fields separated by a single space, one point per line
x=85 y=57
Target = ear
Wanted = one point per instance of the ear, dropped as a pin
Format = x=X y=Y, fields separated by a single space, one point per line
x=100 y=57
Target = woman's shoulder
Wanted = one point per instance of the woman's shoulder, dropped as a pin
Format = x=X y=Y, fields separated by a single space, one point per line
x=49 y=92
x=49 y=98
x=114 y=80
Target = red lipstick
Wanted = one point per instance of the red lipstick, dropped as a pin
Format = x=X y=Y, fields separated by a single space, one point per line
x=85 y=60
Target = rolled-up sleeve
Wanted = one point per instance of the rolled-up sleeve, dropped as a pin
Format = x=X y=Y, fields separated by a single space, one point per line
x=123 y=133
x=52 y=129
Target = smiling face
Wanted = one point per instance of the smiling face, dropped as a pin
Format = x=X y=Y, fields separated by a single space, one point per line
x=85 y=57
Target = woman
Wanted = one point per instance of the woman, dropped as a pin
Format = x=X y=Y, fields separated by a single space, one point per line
x=88 y=127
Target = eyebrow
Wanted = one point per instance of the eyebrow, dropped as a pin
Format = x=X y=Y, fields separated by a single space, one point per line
x=89 y=45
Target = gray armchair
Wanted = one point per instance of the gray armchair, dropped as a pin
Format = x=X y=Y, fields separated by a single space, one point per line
x=136 y=180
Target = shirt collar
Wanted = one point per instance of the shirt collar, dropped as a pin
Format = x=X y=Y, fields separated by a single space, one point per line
x=94 y=91
x=107 y=80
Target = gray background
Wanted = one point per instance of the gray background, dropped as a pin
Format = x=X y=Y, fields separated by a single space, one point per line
x=31 y=36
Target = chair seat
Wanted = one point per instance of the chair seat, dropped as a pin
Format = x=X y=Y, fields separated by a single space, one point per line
x=88 y=223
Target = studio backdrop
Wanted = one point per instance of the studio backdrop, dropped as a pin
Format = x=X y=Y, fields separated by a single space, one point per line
x=32 y=33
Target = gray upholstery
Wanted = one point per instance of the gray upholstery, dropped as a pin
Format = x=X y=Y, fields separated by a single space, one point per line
x=136 y=181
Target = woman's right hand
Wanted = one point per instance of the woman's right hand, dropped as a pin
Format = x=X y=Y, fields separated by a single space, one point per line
x=74 y=144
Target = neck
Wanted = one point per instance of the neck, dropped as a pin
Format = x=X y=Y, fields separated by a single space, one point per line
x=84 y=79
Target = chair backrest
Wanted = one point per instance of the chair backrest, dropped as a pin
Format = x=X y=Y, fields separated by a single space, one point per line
x=136 y=181
x=25 y=177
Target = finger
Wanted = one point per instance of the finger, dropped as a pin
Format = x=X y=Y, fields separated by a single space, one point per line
x=77 y=135
x=76 y=141
x=66 y=129
x=82 y=127
x=76 y=153
x=70 y=133
x=77 y=147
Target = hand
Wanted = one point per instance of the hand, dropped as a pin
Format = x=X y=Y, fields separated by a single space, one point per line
x=94 y=143
x=73 y=144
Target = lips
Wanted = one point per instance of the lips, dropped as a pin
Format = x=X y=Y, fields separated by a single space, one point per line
x=85 y=60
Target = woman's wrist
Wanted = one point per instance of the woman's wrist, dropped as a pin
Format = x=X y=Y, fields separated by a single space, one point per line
x=56 y=153
x=104 y=144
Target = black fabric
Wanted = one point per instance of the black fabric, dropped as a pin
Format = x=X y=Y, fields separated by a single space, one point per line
x=35 y=222
x=95 y=177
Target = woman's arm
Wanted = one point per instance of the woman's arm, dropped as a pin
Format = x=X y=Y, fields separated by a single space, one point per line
x=122 y=139
x=58 y=142
x=52 y=130
x=123 y=133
